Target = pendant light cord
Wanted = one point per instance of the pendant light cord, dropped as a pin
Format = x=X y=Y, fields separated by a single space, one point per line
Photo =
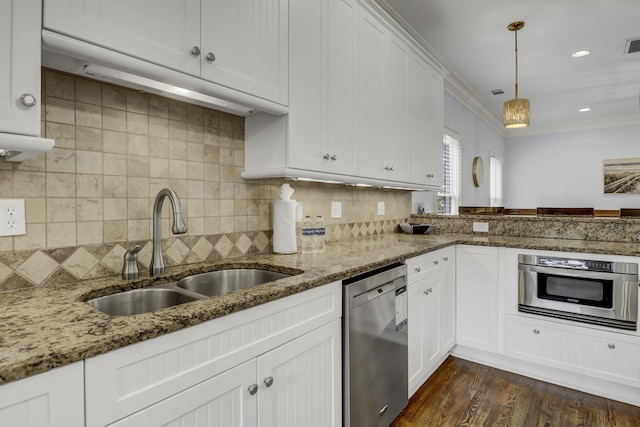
x=516 y=34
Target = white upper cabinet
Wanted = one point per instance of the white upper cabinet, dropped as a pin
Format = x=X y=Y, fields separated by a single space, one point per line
x=20 y=67
x=399 y=123
x=245 y=46
x=20 y=103
x=323 y=92
x=164 y=32
x=241 y=44
x=426 y=116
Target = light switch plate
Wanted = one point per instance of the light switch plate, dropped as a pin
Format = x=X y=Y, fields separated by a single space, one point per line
x=12 y=217
x=336 y=209
x=380 y=208
x=480 y=227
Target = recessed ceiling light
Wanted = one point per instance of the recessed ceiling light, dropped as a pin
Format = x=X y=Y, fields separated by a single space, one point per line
x=581 y=53
x=584 y=110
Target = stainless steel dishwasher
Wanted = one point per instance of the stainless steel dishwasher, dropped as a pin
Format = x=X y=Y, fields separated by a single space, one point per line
x=375 y=371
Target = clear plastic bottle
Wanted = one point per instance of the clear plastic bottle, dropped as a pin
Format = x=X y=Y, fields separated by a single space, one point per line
x=318 y=235
x=307 y=235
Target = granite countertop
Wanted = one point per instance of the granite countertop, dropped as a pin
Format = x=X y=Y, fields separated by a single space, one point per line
x=44 y=328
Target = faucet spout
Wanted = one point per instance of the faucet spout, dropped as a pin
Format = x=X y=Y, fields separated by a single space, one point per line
x=156 y=267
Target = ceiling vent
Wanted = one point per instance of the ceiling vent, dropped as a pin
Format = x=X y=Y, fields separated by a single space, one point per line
x=497 y=92
x=632 y=46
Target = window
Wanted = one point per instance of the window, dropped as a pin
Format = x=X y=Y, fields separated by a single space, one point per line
x=495 y=180
x=449 y=197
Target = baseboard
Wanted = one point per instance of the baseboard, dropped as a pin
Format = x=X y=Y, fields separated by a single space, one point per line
x=595 y=386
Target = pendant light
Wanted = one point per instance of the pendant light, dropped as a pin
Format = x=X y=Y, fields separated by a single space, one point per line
x=516 y=112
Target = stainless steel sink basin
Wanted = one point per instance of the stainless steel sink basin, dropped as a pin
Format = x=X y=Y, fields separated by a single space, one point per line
x=222 y=282
x=191 y=288
x=139 y=301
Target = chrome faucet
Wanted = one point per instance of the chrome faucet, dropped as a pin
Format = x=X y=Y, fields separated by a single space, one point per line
x=179 y=227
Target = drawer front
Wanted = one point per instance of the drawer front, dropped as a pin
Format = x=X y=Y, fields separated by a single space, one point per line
x=423 y=265
x=132 y=378
x=600 y=354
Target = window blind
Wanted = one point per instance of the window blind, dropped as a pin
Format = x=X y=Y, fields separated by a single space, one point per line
x=495 y=180
x=449 y=197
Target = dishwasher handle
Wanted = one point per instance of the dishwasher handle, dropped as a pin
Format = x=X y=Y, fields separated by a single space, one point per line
x=374 y=293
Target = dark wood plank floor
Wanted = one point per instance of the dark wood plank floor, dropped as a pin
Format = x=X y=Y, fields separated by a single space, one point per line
x=463 y=393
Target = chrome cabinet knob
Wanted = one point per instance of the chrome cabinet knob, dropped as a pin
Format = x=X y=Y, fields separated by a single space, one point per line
x=326 y=156
x=28 y=100
x=253 y=389
x=195 y=51
x=612 y=346
x=334 y=157
x=268 y=381
x=446 y=259
x=436 y=262
x=417 y=269
x=210 y=57
x=430 y=175
x=536 y=331
x=388 y=168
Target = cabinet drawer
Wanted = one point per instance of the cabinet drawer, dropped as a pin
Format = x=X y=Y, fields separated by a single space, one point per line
x=423 y=265
x=605 y=355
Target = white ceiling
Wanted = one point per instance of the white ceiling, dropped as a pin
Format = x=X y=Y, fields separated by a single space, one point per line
x=470 y=38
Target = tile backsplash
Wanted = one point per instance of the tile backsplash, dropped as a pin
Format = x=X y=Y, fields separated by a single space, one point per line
x=90 y=198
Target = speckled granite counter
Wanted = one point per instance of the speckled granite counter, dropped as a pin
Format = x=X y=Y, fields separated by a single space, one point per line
x=49 y=327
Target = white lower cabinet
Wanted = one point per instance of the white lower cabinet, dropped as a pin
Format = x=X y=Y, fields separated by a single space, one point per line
x=53 y=399
x=204 y=375
x=293 y=385
x=601 y=354
x=431 y=307
x=477 y=297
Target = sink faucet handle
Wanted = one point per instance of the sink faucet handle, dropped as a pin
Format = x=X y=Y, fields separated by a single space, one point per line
x=130 y=264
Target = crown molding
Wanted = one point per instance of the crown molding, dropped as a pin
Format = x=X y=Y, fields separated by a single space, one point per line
x=573 y=126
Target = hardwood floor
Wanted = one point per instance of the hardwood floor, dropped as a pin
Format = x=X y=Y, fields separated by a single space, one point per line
x=463 y=393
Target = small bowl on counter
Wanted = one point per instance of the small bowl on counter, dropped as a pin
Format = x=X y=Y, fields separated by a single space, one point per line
x=411 y=228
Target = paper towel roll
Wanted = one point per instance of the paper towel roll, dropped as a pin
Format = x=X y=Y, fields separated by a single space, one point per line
x=284 y=227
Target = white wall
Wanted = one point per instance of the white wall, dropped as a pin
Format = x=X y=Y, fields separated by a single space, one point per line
x=478 y=139
x=565 y=169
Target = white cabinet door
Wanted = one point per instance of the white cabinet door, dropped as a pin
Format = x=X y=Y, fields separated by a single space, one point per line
x=425 y=123
x=372 y=123
x=448 y=300
x=163 y=32
x=396 y=160
x=245 y=46
x=300 y=383
x=307 y=98
x=20 y=66
x=342 y=86
x=477 y=297
x=54 y=399
x=424 y=329
x=222 y=401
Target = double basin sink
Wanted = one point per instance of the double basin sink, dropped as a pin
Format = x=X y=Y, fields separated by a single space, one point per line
x=190 y=288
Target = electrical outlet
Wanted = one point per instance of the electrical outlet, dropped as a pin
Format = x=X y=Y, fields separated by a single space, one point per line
x=380 y=208
x=336 y=209
x=12 y=217
x=480 y=227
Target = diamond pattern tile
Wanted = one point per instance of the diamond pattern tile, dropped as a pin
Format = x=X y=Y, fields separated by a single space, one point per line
x=261 y=241
x=80 y=263
x=37 y=268
x=63 y=265
x=202 y=249
x=243 y=243
x=224 y=246
x=178 y=251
